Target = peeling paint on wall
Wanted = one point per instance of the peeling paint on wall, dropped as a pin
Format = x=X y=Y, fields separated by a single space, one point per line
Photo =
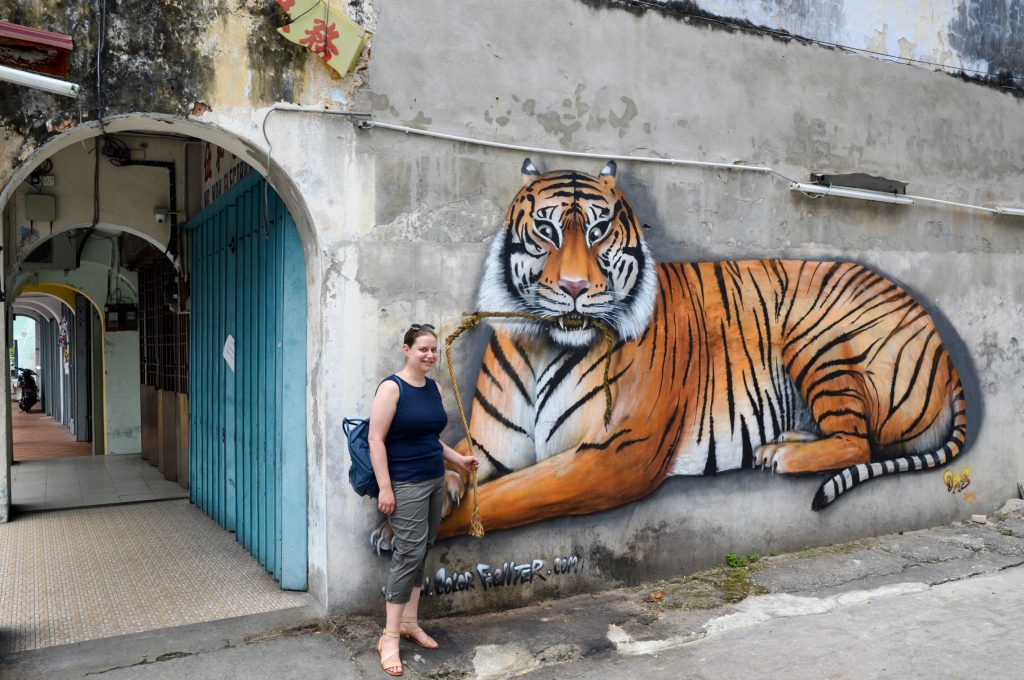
x=990 y=33
x=982 y=38
x=165 y=57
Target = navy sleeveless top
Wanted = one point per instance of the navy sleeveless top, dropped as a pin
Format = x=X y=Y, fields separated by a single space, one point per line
x=413 y=444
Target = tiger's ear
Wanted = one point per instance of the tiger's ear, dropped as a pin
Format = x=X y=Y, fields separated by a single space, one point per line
x=530 y=171
x=607 y=177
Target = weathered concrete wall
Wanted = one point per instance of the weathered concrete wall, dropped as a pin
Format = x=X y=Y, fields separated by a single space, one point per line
x=983 y=38
x=396 y=229
x=162 y=57
x=409 y=245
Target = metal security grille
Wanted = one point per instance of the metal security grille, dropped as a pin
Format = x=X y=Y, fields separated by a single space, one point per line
x=148 y=287
x=163 y=334
x=247 y=437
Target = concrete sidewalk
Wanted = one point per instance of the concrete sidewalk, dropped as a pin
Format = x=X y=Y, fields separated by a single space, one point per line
x=946 y=602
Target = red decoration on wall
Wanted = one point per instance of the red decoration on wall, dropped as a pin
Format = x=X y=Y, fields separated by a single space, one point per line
x=321 y=39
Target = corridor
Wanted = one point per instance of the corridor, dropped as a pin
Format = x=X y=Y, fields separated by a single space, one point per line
x=53 y=471
x=38 y=436
x=86 y=481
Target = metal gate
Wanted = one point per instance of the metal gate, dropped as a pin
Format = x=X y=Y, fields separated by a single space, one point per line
x=247 y=437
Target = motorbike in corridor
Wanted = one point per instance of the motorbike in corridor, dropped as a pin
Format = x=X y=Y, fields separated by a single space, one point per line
x=29 y=390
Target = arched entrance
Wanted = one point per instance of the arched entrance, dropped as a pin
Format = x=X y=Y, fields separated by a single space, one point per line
x=221 y=338
x=71 y=367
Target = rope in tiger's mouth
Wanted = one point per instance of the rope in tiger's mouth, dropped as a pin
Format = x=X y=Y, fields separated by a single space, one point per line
x=579 y=321
x=574 y=321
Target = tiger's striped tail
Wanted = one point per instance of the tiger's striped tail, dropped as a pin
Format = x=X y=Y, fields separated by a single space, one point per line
x=845 y=480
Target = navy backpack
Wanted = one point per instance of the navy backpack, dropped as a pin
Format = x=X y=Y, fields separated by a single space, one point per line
x=357 y=432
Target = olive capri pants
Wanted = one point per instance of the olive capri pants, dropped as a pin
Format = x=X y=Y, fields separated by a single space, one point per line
x=417 y=514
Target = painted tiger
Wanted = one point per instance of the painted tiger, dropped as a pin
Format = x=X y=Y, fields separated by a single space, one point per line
x=793 y=366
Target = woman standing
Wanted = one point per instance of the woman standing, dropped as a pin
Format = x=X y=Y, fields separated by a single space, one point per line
x=406 y=420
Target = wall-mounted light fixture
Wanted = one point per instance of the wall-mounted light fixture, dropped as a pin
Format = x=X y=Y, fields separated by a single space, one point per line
x=855 y=185
x=1009 y=211
x=38 y=82
x=847 y=192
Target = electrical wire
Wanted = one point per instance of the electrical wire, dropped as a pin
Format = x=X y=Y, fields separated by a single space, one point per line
x=100 y=40
x=370 y=123
x=366 y=122
x=939 y=201
x=266 y=138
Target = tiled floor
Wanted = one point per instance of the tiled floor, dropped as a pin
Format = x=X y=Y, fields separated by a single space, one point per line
x=96 y=572
x=37 y=435
x=88 y=480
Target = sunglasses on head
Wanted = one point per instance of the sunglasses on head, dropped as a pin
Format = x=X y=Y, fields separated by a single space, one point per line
x=417 y=326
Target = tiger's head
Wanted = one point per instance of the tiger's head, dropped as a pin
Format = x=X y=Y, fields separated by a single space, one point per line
x=572 y=252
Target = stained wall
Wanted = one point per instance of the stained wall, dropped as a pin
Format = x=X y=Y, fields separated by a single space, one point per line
x=981 y=38
x=644 y=84
x=397 y=228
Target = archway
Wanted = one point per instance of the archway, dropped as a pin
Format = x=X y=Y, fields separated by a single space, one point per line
x=164 y=250
x=84 y=410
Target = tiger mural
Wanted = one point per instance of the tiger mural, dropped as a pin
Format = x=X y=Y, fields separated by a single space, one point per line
x=791 y=366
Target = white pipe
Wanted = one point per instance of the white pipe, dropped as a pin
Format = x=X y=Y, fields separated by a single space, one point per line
x=846 y=192
x=370 y=123
x=34 y=80
x=559 y=152
x=925 y=199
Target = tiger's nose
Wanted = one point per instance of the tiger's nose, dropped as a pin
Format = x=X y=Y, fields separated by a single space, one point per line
x=574 y=288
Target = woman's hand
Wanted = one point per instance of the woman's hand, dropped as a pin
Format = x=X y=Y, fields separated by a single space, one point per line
x=467 y=463
x=386 y=501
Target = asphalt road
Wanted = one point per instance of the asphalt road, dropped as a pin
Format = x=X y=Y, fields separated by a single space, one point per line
x=964 y=629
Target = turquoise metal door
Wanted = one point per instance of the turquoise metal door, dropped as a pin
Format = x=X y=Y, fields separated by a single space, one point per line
x=247 y=440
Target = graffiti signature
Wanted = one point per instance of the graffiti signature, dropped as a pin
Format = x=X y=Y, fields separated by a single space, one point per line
x=957 y=481
x=510 y=573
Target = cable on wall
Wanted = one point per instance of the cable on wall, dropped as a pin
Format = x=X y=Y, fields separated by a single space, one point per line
x=366 y=122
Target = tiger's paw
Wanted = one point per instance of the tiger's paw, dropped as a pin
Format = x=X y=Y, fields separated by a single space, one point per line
x=454 y=490
x=382 y=538
x=777 y=456
x=818 y=455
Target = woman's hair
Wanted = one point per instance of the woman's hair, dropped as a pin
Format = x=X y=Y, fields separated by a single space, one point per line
x=418 y=330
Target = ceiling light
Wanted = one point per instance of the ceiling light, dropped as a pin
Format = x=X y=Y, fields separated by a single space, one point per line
x=846 y=192
x=34 y=80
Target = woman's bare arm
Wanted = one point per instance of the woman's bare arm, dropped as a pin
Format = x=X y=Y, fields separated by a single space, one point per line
x=382 y=412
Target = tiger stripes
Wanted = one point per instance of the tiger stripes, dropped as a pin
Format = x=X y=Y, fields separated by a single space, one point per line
x=787 y=365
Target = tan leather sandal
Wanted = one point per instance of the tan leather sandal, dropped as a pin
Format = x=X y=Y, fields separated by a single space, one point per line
x=390 y=668
x=410 y=630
